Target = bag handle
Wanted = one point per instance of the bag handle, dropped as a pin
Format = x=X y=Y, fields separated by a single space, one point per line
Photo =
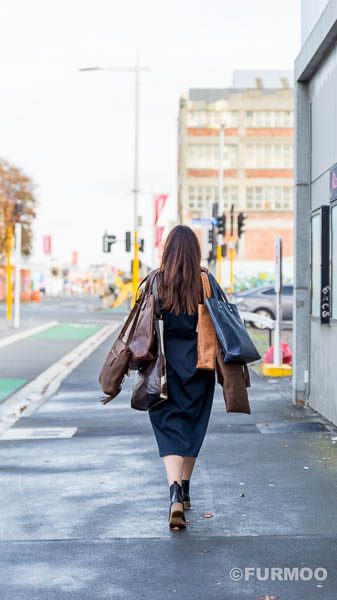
x=132 y=318
x=206 y=288
x=217 y=289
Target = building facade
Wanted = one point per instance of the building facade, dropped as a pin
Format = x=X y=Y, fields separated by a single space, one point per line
x=257 y=116
x=315 y=325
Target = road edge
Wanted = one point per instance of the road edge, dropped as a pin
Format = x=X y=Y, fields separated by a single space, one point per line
x=30 y=397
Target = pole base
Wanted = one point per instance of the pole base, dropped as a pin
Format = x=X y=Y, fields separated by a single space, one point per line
x=271 y=370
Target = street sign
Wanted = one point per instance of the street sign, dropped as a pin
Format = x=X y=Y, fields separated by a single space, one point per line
x=325 y=307
x=204 y=221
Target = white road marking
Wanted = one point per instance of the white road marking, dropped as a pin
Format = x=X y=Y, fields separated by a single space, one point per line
x=10 y=339
x=38 y=433
x=31 y=396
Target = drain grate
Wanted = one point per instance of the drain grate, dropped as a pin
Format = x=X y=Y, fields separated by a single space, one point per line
x=292 y=427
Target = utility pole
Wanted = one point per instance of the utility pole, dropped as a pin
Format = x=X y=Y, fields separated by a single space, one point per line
x=220 y=194
x=137 y=69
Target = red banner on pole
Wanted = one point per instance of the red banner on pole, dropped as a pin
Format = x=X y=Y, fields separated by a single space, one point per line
x=47 y=244
x=158 y=236
x=159 y=203
x=74 y=258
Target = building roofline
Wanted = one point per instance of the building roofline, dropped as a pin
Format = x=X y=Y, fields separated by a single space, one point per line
x=319 y=42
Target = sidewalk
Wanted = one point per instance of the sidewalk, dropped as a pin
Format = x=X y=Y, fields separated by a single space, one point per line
x=85 y=507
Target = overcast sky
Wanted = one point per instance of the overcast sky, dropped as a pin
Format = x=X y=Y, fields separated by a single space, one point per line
x=73 y=132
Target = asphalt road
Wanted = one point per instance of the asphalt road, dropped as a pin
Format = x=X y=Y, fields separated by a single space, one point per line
x=84 y=506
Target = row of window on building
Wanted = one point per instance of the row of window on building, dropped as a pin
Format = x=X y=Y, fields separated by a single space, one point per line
x=257 y=155
x=231 y=118
x=256 y=197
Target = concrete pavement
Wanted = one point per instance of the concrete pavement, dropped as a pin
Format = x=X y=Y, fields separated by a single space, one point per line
x=85 y=517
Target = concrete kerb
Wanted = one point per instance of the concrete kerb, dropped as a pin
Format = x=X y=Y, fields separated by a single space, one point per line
x=30 y=397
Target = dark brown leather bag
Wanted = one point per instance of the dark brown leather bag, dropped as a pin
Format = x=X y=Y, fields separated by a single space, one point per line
x=116 y=364
x=142 y=339
x=122 y=356
x=150 y=386
x=234 y=379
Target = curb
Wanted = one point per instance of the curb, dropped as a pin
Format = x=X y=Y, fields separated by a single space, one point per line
x=31 y=396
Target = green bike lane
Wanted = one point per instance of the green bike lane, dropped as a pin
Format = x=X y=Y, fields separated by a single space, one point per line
x=23 y=360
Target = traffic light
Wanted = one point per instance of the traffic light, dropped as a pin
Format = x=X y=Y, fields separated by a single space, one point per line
x=241 y=223
x=128 y=241
x=108 y=241
x=210 y=236
x=213 y=241
x=141 y=245
x=221 y=224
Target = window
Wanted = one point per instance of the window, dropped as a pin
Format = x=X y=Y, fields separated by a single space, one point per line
x=212 y=117
x=315 y=264
x=270 y=118
x=201 y=197
x=288 y=290
x=269 y=156
x=206 y=156
x=269 y=198
x=334 y=260
x=269 y=292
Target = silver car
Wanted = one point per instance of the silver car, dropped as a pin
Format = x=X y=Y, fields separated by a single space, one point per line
x=262 y=301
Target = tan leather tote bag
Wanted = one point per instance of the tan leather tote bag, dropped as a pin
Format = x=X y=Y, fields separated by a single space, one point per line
x=207 y=342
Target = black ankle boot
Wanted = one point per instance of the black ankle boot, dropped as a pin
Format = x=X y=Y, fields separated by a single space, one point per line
x=176 y=512
x=185 y=489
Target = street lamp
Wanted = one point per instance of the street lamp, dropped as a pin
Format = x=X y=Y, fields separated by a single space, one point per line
x=137 y=69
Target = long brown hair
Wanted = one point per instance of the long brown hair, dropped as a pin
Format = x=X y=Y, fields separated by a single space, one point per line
x=179 y=275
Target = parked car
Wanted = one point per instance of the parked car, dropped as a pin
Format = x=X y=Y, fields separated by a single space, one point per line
x=262 y=301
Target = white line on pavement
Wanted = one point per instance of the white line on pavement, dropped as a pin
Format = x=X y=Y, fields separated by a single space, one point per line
x=30 y=397
x=10 y=339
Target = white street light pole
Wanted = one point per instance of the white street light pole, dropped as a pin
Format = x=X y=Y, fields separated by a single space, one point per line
x=221 y=154
x=137 y=69
x=220 y=198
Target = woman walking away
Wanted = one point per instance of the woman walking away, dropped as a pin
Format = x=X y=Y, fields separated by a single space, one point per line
x=181 y=422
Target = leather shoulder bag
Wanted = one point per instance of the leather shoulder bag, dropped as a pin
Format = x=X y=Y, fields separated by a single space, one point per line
x=232 y=335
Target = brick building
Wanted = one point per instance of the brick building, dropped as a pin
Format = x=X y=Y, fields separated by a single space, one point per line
x=257 y=115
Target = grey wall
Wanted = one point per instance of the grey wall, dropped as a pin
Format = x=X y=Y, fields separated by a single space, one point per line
x=310 y=13
x=322 y=91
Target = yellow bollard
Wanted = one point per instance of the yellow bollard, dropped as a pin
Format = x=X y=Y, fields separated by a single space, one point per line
x=218 y=260
x=231 y=266
x=135 y=268
x=9 y=274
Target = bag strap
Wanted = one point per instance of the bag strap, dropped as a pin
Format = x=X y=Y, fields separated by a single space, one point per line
x=131 y=320
x=217 y=290
x=148 y=280
x=206 y=288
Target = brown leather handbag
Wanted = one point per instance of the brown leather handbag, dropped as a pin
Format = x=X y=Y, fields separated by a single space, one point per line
x=150 y=385
x=142 y=339
x=128 y=351
x=207 y=342
x=116 y=364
